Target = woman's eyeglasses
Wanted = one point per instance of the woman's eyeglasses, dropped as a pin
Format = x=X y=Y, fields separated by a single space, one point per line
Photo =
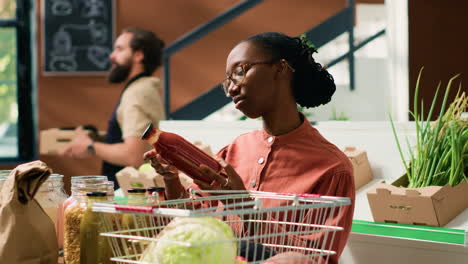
x=237 y=76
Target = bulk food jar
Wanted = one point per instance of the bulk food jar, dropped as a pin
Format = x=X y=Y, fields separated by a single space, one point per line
x=83 y=179
x=136 y=196
x=94 y=248
x=51 y=197
x=76 y=180
x=74 y=213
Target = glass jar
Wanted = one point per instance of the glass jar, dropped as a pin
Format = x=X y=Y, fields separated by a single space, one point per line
x=135 y=197
x=51 y=197
x=135 y=222
x=83 y=179
x=74 y=213
x=76 y=180
x=156 y=194
x=94 y=248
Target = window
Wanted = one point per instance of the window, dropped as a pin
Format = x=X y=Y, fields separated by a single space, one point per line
x=17 y=130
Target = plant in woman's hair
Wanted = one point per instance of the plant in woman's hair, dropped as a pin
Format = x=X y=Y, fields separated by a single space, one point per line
x=307 y=43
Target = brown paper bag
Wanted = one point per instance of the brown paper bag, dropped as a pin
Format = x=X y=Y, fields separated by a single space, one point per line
x=27 y=234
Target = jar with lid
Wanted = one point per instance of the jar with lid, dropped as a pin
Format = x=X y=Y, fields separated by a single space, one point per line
x=83 y=179
x=74 y=213
x=51 y=197
x=94 y=249
x=76 y=180
x=136 y=222
x=156 y=194
x=136 y=196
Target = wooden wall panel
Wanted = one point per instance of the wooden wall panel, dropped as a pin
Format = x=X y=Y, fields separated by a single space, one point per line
x=75 y=100
x=438 y=41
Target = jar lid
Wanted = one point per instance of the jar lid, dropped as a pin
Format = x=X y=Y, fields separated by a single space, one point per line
x=136 y=190
x=156 y=189
x=56 y=176
x=96 y=194
x=94 y=178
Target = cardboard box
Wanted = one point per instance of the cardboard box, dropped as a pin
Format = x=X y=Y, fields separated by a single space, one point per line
x=361 y=167
x=55 y=140
x=130 y=177
x=431 y=206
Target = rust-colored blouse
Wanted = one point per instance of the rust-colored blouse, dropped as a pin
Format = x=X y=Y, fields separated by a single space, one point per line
x=301 y=161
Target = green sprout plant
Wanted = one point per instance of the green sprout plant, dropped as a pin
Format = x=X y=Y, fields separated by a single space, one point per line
x=440 y=155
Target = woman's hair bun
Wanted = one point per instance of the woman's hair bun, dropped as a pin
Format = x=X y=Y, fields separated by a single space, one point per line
x=312 y=84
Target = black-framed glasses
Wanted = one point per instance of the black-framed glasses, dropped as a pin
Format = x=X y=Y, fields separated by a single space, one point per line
x=237 y=76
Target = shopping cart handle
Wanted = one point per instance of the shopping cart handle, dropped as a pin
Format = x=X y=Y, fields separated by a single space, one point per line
x=306 y=195
x=135 y=208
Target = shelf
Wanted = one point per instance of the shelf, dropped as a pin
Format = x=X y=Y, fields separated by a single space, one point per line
x=426 y=233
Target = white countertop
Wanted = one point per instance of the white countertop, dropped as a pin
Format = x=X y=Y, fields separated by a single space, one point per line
x=376 y=138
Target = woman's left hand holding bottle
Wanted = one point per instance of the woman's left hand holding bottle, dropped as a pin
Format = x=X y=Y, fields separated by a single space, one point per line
x=170 y=174
x=228 y=179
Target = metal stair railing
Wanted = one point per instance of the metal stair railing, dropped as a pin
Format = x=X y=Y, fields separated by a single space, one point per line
x=193 y=36
x=341 y=22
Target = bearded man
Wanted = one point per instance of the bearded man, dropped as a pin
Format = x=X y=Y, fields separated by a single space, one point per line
x=137 y=54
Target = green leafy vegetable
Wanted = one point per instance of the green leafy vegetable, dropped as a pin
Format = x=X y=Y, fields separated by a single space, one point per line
x=440 y=156
x=200 y=240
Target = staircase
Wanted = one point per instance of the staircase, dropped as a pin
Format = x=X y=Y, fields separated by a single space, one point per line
x=337 y=28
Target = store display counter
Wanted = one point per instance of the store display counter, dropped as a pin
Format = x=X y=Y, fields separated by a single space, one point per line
x=369 y=242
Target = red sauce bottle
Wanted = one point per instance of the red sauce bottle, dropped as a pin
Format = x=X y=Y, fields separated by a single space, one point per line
x=180 y=153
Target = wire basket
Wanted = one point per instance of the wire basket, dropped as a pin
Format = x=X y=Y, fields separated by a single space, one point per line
x=291 y=228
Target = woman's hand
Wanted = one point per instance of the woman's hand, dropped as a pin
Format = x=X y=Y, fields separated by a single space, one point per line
x=161 y=166
x=228 y=179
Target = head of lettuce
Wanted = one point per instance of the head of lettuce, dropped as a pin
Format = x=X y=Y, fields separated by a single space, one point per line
x=196 y=240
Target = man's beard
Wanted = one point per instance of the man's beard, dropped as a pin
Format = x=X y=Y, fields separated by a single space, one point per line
x=119 y=73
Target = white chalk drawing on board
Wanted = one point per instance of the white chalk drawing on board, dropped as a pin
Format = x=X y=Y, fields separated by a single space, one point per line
x=61 y=8
x=93 y=8
x=99 y=55
x=63 y=55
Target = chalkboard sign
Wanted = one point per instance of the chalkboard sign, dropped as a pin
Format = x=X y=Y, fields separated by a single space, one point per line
x=77 y=36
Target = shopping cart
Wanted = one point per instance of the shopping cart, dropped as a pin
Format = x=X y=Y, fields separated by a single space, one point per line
x=293 y=228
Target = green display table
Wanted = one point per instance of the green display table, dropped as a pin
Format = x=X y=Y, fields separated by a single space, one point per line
x=427 y=233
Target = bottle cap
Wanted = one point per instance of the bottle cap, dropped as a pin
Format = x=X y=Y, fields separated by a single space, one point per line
x=136 y=190
x=96 y=194
x=156 y=189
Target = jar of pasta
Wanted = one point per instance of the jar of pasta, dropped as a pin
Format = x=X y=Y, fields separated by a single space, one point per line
x=74 y=213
